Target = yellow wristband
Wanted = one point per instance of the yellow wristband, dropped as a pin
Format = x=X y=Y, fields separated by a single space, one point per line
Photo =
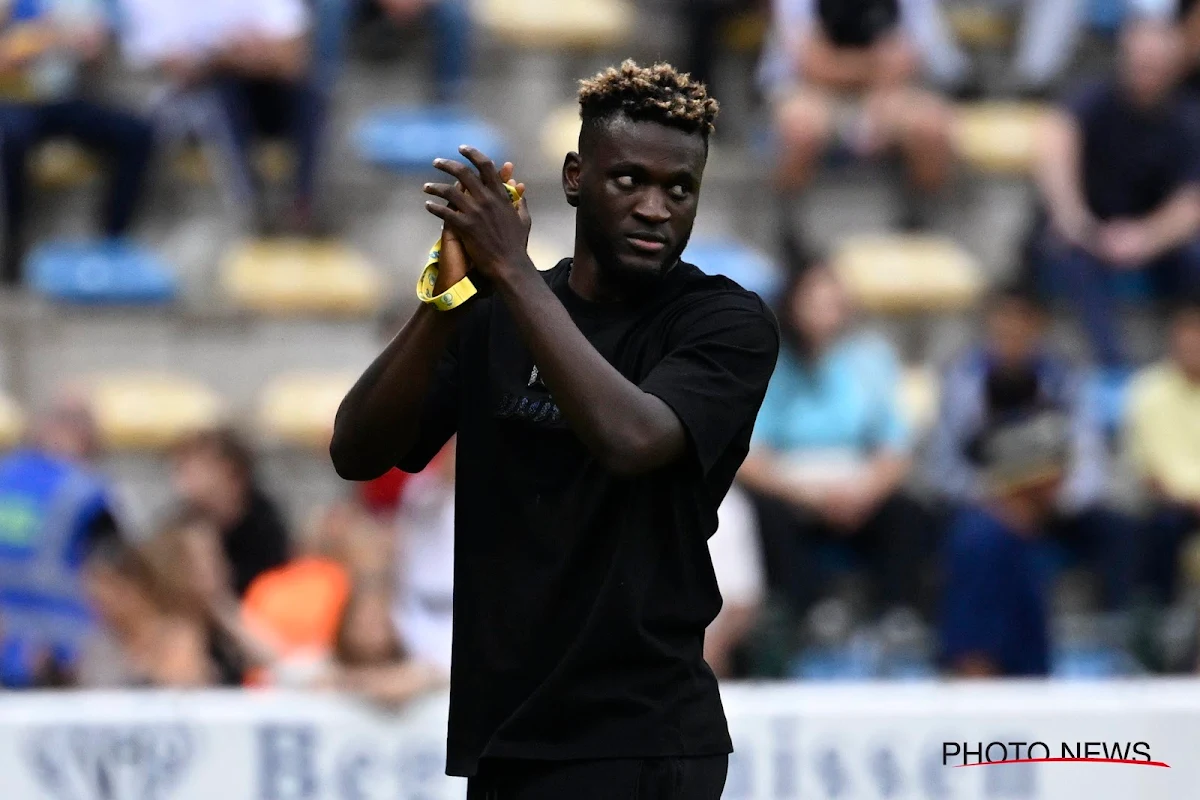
x=460 y=292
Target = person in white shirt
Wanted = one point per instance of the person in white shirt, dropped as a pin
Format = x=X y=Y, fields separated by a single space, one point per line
x=256 y=56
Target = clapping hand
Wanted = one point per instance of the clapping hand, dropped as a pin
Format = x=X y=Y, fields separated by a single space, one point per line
x=480 y=216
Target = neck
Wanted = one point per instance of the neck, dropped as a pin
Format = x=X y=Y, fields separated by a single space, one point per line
x=587 y=278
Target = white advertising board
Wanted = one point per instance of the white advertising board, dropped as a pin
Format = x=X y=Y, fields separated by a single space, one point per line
x=808 y=742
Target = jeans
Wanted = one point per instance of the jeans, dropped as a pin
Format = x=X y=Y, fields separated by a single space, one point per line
x=1167 y=529
x=894 y=543
x=1105 y=540
x=1088 y=282
x=294 y=111
x=124 y=139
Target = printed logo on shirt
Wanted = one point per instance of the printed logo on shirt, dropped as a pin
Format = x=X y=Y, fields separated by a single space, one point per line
x=535 y=380
x=539 y=412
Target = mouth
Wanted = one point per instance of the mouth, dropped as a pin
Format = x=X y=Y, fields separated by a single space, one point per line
x=647 y=243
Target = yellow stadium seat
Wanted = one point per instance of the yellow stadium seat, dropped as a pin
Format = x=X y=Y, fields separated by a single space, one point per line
x=908 y=274
x=294 y=276
x=918 y=396
x=60 y=164
x=298 y=408
x=12 y=423
x=746 y=31
x=560 y=134
x=272 y=159
x=980 y=26
x=557 y=24
x=998 y=138
x=150 y=411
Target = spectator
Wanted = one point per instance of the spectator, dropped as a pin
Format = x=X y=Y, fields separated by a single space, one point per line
x=424 y=600
x=1014 y=372
x=1163 y=439
x=150 y=635
x=831 y=452
x=994 y=608
x=47 y=44
x=255 y=56
x=1118 y=168
x=702 y=22
x=53 y=511
x=296 y=609
x=847 y=70
x=187 y=558
x=737 y=561
x=213 y=472
x=449 y=24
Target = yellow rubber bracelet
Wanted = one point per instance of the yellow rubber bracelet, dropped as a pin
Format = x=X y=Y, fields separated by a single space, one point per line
x=460 y=292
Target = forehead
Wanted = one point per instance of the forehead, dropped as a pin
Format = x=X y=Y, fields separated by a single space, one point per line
x=650 y=145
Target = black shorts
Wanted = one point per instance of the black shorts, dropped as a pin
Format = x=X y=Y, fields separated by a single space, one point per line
x=701 y=778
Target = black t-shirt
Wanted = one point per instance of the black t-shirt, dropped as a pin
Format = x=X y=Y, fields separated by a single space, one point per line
x=1134 y=160
x=257 y=543
x=581 y=597
x=857 y=23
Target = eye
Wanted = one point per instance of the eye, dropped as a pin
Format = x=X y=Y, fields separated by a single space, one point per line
x=679 y=192
x=625 y=181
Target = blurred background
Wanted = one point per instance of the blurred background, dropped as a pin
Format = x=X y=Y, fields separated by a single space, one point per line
x=978 y=222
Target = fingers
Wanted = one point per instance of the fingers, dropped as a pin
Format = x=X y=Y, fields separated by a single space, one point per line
x=487 y=169
x=453 y=195
x=461 y=173
x=506 y=172
x=444 y=213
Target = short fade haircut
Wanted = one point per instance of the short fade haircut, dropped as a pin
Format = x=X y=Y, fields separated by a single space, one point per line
x=658 y=93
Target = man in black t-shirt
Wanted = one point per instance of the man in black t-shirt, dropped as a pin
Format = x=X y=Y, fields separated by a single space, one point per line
x=602 y=409
x=1118 y=166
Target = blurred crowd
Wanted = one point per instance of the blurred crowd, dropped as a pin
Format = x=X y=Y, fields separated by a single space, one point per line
x=948 y=546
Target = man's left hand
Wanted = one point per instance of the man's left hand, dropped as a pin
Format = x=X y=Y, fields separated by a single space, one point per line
x=493 y=233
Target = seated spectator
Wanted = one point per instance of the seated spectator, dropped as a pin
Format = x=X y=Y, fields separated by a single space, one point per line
x=449 y=26
x=213 y=472
x=54 y=509
x=847 y=70
x=994 y=618
x=1163 y=440
x=1118 y=168
x=150 y=635
x=831 y=451
x=46 y=45
x=295 y=609
x=255 y=56
x=702 y=23
x=1012 y=372
x=737 y=562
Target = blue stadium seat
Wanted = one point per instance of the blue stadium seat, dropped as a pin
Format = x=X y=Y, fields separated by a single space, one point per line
x=409 y=139
x=1105 y=395
x=750 y=268
x=1091 y=662
x=855 y=661
x=109 y=272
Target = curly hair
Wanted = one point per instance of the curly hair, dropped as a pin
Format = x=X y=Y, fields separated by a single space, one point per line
x=658 y=93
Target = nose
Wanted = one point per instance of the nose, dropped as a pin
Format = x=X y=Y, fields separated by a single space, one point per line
x=652 y=207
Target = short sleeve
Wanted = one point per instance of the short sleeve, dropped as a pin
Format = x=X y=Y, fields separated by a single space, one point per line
x=716 y=375
x=439 y=416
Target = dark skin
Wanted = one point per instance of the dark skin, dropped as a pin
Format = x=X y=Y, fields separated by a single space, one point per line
x=636 y=190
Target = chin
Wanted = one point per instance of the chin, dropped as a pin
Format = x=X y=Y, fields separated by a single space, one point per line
x=639 y=272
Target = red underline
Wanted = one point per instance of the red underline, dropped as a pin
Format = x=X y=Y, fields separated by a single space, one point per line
x=1069 y=760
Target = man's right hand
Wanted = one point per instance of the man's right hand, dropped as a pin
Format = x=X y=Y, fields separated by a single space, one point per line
x=453 y=264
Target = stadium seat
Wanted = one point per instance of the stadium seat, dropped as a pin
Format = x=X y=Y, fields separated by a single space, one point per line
x=560 y=134
x=557 y=24
x=918 y=392
x=409 y=139
x=297 y=409
x=1105 y=394
x=150 y=411
x=294 y=276
x=908 y=273
x=980 y=26
x=61 y=164
x=104 y=272
x=12 y=422
x=749 y=268
x=998 y=138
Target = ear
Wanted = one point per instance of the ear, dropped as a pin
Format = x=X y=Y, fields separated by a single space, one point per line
x=572 y=168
